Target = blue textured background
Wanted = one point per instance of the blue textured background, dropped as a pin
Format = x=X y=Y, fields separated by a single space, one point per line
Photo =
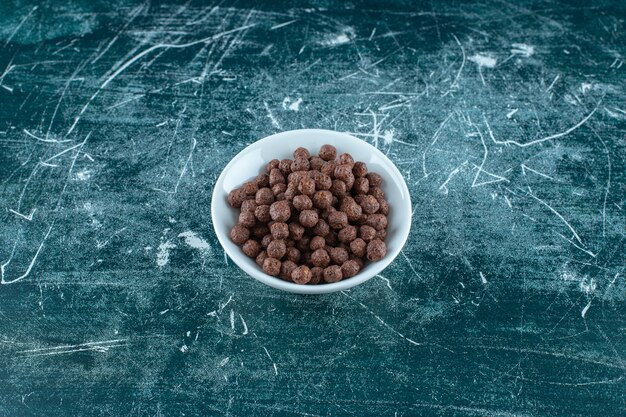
x=507 y=119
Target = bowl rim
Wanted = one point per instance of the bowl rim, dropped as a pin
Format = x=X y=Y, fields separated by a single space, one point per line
x=280 y=284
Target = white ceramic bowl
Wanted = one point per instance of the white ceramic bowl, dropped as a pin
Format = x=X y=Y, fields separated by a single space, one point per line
x=252 y=160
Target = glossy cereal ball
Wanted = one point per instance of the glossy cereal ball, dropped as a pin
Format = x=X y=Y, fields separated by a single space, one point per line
x=251 y=248
x=301 y=153
x=276 y=177
x=317 y=274
x=280 y=211
x=359 y=169
x=346 y=159
x=239 y=234
x=276 y=249
x=374 y=179
x=322 y=199
x=350 y=268
x=300 y=164
x=328 y=152
x=377 y=221
x=264 y=196
x=301 y=275
x=376 y=250
x=367 y=233
x=358 y=247
x=271 y=266
x=369 y=204
x=332 y=274
x=339 y=255
x=320 y=258
x=279 y=230
x=308 y=218
x=302 y=202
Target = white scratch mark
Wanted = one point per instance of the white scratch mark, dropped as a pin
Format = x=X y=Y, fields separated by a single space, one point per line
x=386 y=281
x=295 y=106
x=444 y=187
x=44 y=139
x=511 y=113
x=497 y=178
x=282 y=25
x=582 y=313
x=19 y=25
x=164 y=311
x=30 y=266
x=271 y=116
x=526 y=168
x=232 y=319
x=458 y=74
x=553 y=82
x=482 y=277
x=271 y=360
x=245 y=326
x=522 y=49
x=224 y=361
x=182 y=171
x=547 y=138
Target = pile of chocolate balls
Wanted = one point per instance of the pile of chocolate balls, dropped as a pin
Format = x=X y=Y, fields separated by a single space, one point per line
x=312 y=219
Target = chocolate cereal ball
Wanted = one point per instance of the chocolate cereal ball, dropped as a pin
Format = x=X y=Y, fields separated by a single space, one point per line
x=301 y=153
x=347 y=234
x=315 y=163
x=359 y=169
x=247 y=219
x=376 y=250
x=377 y=192
x=337 y=219
x=236 y=198
x=338 y=255
x=322 y=181
x=276 y=177
x=285 y=166
x=381 y=234
x=262 y=180
x=320 y=258
x=361 y=186
x=332 y=274
x=296 y=231
x=264 y=196
x=308 y=218
x=239 y=234
x=377 y=221
x=358 y=247
x=375 y=179
x=316 y=275
x=384 y=206
x=279 y=189
x=248 y=205
x=352 y=209
x=322 y=199
x=301 y=275
x=280 y=211
x=307 y=186
x=321 y=228
x=260 y=231
x=260 y=258
x=350 y=268
x=300 y=164
x=266 y=240
x=303 y=244
x=250 y=188
x=342 y=172
x=292 y=254
x=331 y=239
x=317 y=242
x=369 y=204
x=296 y=177
x=271 y=266
x=276 y=249
x=346 y=158
x=262 y=213
x=286 y=269
x=271 y=165
x=367 y=233
x=302 y=202
x=279 y=230
x=338 y=188
x=328 y=152
x=251 y=248
x=328 y=168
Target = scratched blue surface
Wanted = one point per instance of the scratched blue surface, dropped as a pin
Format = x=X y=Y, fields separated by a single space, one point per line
x=507 y=119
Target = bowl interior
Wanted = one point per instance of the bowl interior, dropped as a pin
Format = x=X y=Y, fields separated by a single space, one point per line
x=252 y=160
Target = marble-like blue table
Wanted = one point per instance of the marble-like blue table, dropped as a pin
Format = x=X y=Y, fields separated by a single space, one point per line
x=507 y=119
